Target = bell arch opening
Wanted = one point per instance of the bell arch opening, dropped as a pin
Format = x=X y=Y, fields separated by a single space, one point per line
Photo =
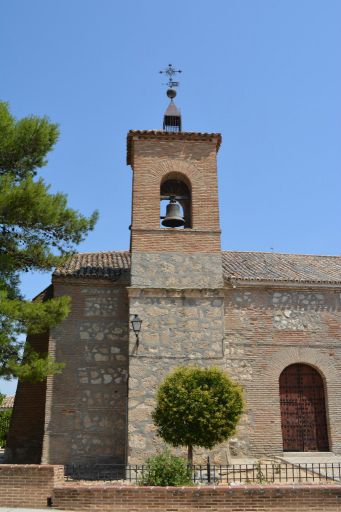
x=175 y=202
x=303 y=409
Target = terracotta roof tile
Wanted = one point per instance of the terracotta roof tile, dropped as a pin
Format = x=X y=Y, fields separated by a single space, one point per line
x=111 y=265
x=273 y=267
x=242 y=266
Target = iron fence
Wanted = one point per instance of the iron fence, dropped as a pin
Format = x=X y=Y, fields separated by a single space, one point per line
x=261 y=473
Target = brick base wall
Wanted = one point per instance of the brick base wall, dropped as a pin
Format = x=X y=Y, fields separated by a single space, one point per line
x=33 y=485
x=28 y=486
x=191 y=499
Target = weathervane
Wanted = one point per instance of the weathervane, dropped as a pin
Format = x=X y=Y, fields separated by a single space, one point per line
x=170 y=72
x=172 y=117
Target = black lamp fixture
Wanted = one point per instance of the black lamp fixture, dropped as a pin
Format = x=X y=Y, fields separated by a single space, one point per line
x=136 y=323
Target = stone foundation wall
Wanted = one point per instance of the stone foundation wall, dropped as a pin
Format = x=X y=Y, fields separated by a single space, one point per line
x=86 y=412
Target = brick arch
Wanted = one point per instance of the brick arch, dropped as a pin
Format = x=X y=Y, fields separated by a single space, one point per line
x=177 y=176
x=263 y=395
x=158 y=171
x=326 y=367
x=321 y=362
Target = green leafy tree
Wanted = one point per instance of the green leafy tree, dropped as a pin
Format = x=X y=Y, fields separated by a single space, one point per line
x=197 y=407
x=38 y=231
x=166 y=469
x=5 y=418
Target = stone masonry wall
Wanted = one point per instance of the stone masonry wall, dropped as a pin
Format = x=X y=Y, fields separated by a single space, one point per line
x=86 y=410
x=265 y=331
x=176 y=270
x=183 y=327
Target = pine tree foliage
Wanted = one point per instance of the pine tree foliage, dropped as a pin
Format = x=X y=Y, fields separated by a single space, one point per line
x=197 y=407
x=38 y=231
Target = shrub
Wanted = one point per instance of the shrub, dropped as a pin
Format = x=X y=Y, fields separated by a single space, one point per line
x=166 y=469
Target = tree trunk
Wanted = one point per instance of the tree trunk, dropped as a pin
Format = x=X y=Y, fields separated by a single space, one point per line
x=190 y=455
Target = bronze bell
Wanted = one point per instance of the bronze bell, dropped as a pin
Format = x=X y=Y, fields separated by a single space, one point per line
x=173 y=217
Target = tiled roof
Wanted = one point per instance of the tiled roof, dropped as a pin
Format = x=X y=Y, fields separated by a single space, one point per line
x=7 y=402
x=242 y=266
x=163 y=135
x=275 y=267
x=110 y=265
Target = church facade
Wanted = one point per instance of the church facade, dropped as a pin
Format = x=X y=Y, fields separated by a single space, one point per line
x=271 y=321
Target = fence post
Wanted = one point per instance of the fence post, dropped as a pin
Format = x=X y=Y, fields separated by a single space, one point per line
x=208 y=470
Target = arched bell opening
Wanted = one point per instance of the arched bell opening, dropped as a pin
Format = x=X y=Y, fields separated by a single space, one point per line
x=175 y=202
x=303 y=409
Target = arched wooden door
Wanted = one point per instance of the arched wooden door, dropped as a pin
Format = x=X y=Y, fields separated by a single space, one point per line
x=303 y=410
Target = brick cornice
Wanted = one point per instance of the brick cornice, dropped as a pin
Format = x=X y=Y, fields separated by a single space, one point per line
x=169 y=136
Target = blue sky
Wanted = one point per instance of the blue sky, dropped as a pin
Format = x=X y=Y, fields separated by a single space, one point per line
x=264 y=73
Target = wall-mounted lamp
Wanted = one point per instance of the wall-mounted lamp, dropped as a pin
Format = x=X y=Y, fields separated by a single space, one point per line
x=136 y=323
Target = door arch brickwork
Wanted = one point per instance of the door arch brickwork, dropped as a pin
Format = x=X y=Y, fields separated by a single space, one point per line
x=263 y=397
x=303 y=410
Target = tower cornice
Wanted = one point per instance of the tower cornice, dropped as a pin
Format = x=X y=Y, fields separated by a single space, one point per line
x=169 y=136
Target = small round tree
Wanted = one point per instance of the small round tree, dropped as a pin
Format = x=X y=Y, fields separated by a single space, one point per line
x=197 y=407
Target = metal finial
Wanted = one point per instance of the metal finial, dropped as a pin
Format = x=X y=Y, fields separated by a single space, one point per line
x=170 y=72
x=172 y=117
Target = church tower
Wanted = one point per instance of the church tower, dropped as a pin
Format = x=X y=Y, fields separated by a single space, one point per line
x=176 y=268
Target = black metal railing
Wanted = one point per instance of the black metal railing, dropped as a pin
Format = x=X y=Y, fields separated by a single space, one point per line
x=260 y=473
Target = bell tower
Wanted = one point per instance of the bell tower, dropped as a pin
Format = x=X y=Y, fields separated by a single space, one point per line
x=176 y=268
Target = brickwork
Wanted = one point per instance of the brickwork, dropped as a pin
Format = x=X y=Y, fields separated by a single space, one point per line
x=265 y=331
x=25 y=438
x=36 y=486
x=28 y=486
x=167 y=240
x=86 y=418
x=153 y=161
x=192 y=499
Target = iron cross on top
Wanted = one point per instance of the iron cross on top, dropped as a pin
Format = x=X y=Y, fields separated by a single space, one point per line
x=170 y=72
